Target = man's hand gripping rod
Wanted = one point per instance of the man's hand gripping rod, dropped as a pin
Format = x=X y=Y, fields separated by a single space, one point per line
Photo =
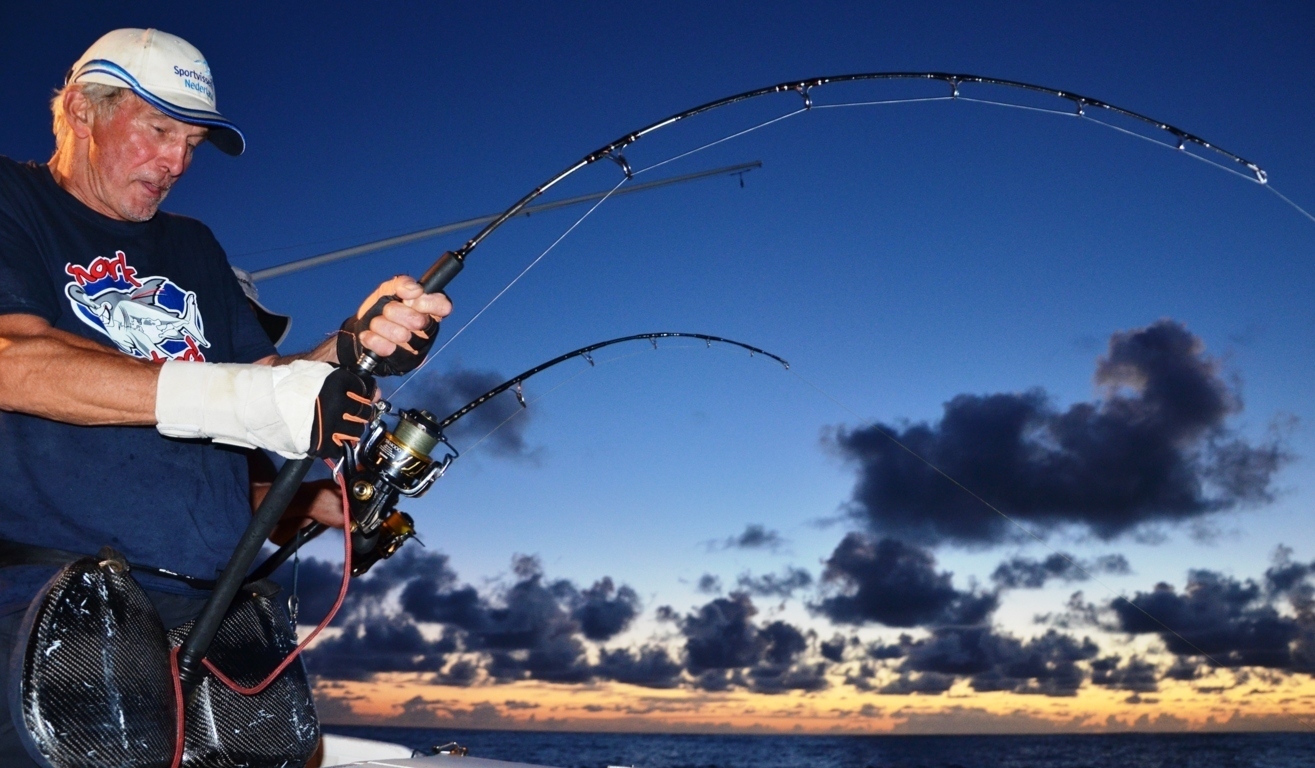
x=275 y=503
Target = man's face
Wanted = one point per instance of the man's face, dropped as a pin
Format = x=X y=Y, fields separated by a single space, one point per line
x=136 y=155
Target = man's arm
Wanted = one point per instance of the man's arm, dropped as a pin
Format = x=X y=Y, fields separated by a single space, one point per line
x=62 y=376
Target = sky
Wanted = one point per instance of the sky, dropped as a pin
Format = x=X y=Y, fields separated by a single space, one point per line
x=1105 y=347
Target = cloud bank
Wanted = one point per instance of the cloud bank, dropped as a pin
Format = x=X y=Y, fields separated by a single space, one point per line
x=1155 y=448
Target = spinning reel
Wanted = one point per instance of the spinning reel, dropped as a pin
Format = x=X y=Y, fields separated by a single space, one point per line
x=384 y=466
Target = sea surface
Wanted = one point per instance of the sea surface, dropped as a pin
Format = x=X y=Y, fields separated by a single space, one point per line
x=599 y=750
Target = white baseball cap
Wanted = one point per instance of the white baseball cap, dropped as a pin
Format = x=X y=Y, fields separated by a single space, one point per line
x=167 y=72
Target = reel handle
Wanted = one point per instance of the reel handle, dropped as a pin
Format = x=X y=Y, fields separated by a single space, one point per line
x=434 y=280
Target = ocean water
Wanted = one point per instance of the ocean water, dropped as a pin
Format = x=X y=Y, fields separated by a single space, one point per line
x=598 y=750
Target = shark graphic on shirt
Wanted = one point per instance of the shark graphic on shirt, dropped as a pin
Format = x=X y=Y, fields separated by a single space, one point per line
x=151 y=318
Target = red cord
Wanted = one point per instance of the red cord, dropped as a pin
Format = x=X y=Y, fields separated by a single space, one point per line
x=342 y=594
x=179 y=709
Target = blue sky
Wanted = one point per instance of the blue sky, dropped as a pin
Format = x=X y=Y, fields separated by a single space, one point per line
x=898 y=256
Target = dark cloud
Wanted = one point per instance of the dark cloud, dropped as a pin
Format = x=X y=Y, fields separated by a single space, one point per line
x=709 y=584
x=528 y=632
x=317 y=583
x=721 y=635
x=725 y=648
x=1077 y=613
x=533 y=629
x=896 y=584
x=755 y=536
x=777 y=671
x=790 y=581
x=1222 y=621
x=1048 y=665
x=1292 y=580
x=927 y=682
x=1025 y=573
x=462 y=673
x=861 y=678
x=1154 y=448
x=882 y=652
x=370 y=646
x=442 y=393
x=1136 y=675
x=833 y=650
x=605 y=611
x=650 y=666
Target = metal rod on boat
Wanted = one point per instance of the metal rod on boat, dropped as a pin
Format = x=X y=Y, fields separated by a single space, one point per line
x=424 y=234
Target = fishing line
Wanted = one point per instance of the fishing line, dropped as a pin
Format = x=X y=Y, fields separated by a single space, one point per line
x=506 y=288
x=1285 y=199
x=1025 y=107
x=882 y=102
x=763 y=124
x=1249 y=177
x=1063 y=113
x=1084 y=572
x=534 y=400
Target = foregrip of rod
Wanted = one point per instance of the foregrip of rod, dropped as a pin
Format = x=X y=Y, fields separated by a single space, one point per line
x=435 y=279
x=262 y=523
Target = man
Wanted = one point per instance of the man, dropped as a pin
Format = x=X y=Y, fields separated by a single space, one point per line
x=133 y=373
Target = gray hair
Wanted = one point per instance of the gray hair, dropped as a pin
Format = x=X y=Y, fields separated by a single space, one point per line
x=104 y=100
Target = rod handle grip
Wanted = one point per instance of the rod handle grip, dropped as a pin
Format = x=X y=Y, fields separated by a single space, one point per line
x=434 y=280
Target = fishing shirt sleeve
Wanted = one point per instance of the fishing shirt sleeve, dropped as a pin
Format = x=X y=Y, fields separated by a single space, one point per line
x=25 y=286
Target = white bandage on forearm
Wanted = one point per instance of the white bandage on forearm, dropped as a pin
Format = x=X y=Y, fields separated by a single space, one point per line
x=251 y=406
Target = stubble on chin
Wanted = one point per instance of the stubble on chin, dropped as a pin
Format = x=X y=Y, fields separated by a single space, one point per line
x=145 y=211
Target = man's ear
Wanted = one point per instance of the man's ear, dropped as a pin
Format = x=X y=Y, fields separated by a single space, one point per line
x=79 y=112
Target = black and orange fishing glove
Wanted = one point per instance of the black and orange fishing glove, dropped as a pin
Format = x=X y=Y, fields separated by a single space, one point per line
x=403 y=360
x=342 y=409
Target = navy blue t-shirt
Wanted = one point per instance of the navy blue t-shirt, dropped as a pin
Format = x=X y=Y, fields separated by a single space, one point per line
x=157 y=290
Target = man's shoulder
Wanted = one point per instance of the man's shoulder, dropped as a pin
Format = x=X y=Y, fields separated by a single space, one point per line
x=13 y=172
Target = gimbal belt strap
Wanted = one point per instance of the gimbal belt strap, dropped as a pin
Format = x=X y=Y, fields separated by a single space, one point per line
x=13 y=553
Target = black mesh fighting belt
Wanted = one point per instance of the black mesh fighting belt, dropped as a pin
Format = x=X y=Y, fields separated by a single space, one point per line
x=276 y=727
x=92 y=687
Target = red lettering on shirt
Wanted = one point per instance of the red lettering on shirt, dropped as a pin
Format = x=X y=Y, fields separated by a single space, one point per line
x=101 y=267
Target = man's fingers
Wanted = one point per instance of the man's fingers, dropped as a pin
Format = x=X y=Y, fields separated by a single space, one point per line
x=436 y=305
x=405 y=316
x=398 y=334
x=376 y=343
x=404 y=287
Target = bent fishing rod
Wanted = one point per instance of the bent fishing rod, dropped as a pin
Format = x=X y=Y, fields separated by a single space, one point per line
x=420 y=432
x=450 y=263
